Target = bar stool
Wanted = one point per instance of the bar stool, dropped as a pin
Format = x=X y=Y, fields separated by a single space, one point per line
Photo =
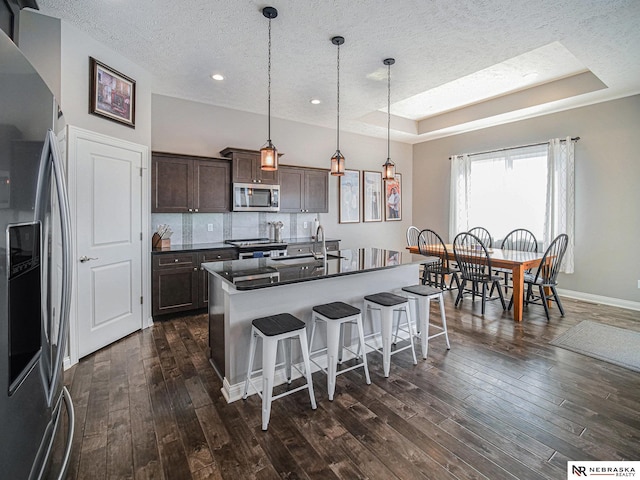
x=271 y=330
x=387 y=304
x=336 y=315
x=422 y=295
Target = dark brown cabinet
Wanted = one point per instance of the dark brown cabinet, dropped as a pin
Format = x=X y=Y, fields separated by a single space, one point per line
x=304 y=190
x=175 y=278
x=298 y=249
x=184 y=183
x=245 y=167
x=179 y=283
x=212 y=256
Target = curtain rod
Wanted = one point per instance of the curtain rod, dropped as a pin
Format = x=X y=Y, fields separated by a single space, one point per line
x=574 y=139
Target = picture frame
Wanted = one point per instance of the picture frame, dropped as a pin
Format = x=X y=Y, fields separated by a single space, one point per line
x=393 y=199
x=349 y=197
x=371 y=196
x=112 y=95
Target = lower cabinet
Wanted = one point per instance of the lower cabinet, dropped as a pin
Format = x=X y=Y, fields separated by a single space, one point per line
x=179 y=284
x=297 y=249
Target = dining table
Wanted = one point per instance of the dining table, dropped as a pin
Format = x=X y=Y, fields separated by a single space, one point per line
x=516 y=261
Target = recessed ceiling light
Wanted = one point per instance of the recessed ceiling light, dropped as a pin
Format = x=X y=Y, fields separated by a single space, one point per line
x=217 y=76
x=315 y=101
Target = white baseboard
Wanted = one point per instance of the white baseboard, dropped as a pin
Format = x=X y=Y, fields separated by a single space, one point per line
x=588 y=297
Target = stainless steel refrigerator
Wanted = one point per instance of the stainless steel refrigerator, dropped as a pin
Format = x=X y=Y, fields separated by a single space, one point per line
x=36 y=412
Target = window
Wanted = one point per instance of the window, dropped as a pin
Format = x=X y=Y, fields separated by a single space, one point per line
x=530 y=187
x=507 y=190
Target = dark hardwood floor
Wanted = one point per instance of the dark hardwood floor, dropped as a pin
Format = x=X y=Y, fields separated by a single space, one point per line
x=501 y=404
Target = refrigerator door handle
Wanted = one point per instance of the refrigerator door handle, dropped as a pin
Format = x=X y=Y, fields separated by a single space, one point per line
x=65 y=220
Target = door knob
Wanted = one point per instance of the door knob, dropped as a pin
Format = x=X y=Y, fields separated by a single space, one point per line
x=84 y=258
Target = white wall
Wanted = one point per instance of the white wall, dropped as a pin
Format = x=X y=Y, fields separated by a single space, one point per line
x=182 y=126
x=607 y=255
x=76 y=48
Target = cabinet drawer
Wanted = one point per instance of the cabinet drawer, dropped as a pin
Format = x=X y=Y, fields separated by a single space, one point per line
x=173 y=260
x=218 y=255
x=299 y=249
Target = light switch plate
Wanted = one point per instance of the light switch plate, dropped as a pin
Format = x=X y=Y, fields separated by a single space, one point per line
x=210 y=227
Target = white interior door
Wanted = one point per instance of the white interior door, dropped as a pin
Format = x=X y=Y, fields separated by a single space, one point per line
x=108 y=208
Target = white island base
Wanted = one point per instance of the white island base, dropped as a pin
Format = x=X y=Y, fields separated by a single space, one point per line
x=231 y=312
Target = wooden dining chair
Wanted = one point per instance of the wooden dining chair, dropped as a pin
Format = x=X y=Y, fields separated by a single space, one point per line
x=519 y=239
x=430 y=244
x=546 y=277
x=474 y=262
x=484 y=236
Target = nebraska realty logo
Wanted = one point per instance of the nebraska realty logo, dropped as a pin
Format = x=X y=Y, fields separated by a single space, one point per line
x=603 y=469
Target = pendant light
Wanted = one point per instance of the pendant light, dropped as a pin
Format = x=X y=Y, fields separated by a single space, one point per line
x=337 y=161
x=269 y=153
x=389 y=168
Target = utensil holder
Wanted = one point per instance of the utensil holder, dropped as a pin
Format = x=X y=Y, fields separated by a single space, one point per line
x=159 y=242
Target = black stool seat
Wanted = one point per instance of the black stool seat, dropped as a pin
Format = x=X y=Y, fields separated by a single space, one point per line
x=336 y=310
x=424 y=290
x=386 y=299
x=278 y=324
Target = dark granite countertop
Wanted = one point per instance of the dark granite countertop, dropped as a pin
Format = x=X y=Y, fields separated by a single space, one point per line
x=256 y=273
x=194 y=247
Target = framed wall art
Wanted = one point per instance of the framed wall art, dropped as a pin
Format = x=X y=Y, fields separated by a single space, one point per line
x=349 y=196
x=112 y=95
x=393 y=199
x=372 y=196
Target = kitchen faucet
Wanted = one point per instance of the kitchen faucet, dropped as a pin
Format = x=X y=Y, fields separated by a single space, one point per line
x=323 y=254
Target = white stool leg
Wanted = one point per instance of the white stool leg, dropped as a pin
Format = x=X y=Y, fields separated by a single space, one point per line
x=313 y=330
x=269 y=351
x=364 y=351
x=426 y=306
x=333 y=339
x=287 y=358
x=252 y=354
x=444 y=320
x=407 y=312
x=386 y=326
x=307 y=366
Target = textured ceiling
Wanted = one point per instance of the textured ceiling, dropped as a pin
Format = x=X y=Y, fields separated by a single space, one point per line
x=460 y=65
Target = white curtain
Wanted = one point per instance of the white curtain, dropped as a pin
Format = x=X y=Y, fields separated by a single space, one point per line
x=459 y=194
x=560 y=208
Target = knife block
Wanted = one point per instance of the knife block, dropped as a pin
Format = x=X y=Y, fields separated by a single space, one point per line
x=158 y=242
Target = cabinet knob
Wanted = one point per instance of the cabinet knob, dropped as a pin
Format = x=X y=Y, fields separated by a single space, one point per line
x=175 y=260
x=195 y=269
x=219 y=256
x=191 y=209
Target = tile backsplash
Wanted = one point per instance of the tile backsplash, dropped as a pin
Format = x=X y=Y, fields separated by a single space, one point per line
x=195 y=228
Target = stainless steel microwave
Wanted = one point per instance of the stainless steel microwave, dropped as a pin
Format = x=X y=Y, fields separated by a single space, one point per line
x=249 y=197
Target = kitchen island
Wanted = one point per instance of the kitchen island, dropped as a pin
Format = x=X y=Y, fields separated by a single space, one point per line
x=242 y=290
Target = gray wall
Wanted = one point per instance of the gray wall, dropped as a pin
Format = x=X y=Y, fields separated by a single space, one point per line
x=607 y=255
x=182 y=126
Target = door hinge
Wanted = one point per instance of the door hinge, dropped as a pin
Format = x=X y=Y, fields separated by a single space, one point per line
x=141 y=300
x=140 y=235
x=140 y=171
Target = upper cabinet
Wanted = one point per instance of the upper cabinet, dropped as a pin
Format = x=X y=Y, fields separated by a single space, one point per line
x=304 y=190
x=246 y=167
x=184 y=183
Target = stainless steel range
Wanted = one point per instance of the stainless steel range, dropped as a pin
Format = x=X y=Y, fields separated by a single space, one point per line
x=258 y=247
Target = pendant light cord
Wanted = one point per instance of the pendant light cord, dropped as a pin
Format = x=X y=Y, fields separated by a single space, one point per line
x=269 y=88
x=388 y=111
x=338 y=103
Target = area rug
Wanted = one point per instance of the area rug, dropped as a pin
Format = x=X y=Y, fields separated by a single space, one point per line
x=604 y=342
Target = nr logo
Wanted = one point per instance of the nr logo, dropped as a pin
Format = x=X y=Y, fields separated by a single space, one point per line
x=579 y=471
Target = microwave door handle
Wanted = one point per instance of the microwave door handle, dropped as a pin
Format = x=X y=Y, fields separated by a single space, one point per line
x=65 y=221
